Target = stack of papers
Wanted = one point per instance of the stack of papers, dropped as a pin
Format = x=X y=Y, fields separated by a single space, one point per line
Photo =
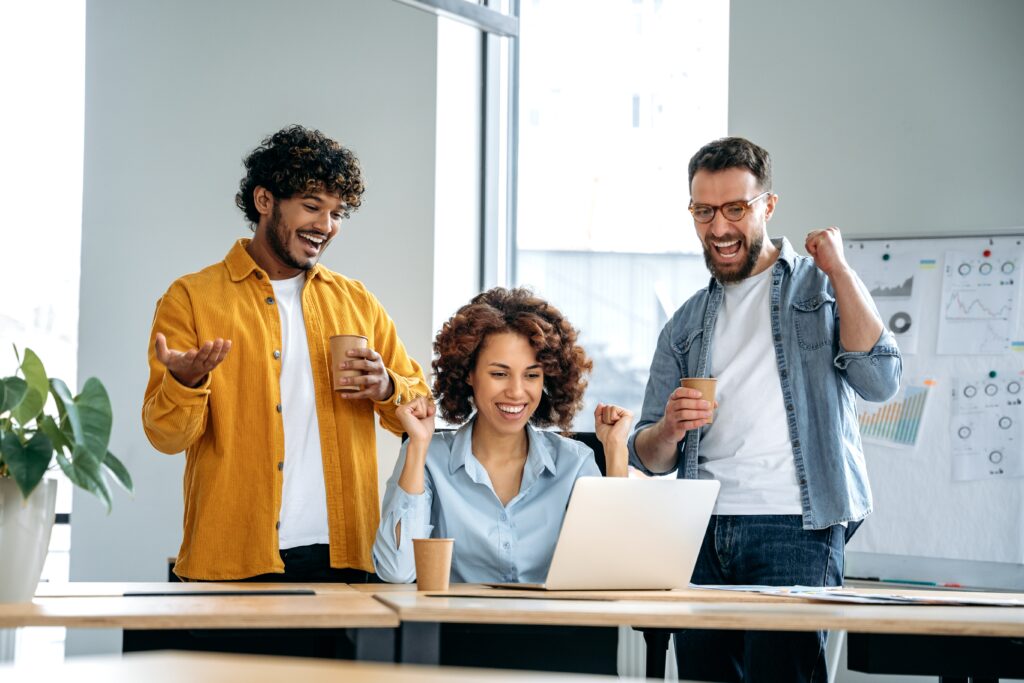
x=859 y=596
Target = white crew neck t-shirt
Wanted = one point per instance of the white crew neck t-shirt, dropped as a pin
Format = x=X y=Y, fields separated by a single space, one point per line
x=304 y=497
x=747 y=448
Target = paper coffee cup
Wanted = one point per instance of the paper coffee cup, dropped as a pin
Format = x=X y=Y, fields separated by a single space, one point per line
x=340 y=343
x=706 y=387
x=433 y=562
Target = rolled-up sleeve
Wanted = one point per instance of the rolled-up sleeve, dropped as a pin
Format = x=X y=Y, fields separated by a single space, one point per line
x=875 y=374
x=661 y=382
x=393 y=558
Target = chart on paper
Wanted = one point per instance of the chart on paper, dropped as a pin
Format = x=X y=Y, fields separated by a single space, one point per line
x=896 y=422
x=979 y=295
x=987 y=428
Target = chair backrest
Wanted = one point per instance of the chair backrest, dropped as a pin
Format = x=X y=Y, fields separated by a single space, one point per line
x=588 y=438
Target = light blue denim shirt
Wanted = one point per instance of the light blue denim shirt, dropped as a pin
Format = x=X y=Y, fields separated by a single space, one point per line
x=512 y=543
x=819 y=380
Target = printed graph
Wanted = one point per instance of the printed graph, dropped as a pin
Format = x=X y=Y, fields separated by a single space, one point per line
x=978 y=314
x=898 y=421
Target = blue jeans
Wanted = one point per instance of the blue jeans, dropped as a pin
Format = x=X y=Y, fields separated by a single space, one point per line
x=770 y=550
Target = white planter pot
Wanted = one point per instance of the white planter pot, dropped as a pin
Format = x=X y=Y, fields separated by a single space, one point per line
x=25 y=527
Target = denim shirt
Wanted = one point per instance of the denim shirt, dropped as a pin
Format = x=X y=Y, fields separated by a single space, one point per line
x=510 y=543
x=819 y=379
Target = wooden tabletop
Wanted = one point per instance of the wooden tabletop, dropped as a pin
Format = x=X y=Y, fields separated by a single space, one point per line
x=675 y=595
x=217 y=668
x=86 y=589
x=333 y=607
x=793 y=615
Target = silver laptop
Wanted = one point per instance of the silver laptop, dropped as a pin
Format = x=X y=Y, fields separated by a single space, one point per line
x=629 y=534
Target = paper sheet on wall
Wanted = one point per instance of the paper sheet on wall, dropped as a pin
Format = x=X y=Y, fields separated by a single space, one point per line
x=979 y=309
x=897 y=422
x=890 y=280
x=987 y=429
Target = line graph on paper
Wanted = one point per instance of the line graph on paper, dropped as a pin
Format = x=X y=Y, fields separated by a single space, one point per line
x=979 y=303
x=896 y=422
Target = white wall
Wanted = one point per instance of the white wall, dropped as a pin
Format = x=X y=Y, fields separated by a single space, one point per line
x=176 y=94
x=883 y=118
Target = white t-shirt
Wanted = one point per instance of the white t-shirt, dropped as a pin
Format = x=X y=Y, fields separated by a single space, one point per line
x=747 y=448
x=304 y=498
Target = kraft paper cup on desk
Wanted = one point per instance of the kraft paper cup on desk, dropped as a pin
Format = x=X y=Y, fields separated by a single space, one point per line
x=433 y=562
x=340 y=343
x=706 y=386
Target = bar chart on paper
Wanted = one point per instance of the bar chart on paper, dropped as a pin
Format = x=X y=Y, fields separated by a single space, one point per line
x=898 y=421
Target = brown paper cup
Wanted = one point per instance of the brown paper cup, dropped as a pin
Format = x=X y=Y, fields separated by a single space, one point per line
x=340 y=343
x=433 y=562
x=706 y=386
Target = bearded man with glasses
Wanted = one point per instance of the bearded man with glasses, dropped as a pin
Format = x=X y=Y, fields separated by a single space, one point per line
x=791 y=340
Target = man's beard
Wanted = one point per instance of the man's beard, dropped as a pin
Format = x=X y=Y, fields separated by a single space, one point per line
x=745 y=269
x=276 y=242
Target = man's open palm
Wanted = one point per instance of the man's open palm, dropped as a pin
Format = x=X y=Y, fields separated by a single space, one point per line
x=191 y=367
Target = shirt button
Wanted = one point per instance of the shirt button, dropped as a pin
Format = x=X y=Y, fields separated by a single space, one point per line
x=278 y=407
x=277 y=354
x=507 y=545
x=280 y=466
x=504 y=517
x=270 y=299
x=789 y=407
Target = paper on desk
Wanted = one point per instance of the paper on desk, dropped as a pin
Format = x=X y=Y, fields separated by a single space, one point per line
x=839 y=594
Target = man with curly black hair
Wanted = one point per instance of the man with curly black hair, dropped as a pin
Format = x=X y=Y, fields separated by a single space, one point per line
x=280 y=469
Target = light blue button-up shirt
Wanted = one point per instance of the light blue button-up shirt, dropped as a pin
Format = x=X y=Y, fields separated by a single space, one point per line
x=493 y=542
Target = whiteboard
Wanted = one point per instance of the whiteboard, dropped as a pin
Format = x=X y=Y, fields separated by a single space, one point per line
x=946 y=458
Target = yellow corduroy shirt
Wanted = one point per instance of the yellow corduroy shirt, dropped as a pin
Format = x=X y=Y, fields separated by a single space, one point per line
x=230 y=427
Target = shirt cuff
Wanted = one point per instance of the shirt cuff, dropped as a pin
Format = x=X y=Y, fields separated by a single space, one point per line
x=181 y=395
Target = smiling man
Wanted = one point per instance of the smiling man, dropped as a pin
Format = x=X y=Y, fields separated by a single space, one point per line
x=791 y=340
x=280 y=469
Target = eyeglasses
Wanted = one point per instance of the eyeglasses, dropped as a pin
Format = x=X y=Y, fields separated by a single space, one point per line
x=733 y=211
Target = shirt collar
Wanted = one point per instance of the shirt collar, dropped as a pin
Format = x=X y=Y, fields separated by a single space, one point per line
x=240 y=264
x=538 y=457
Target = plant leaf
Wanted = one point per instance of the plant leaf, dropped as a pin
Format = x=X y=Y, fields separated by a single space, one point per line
x=27 y=463
x=69 y=470
x=90 y=476
x=96 y=416
x=119 y=471
x=65 y=406
x=34 y=400
x=59 y=438
x=14 y=391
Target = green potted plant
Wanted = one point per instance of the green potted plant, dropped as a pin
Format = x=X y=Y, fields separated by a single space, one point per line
x=31 y=439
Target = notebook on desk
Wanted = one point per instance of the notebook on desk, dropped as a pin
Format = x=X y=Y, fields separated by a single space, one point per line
x=629 y=534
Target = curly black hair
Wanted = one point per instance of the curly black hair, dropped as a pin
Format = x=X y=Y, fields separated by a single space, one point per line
x=497 y=310
x=296 y=159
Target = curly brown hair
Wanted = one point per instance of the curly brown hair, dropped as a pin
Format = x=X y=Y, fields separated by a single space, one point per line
x=296 y=159
x=564 y=362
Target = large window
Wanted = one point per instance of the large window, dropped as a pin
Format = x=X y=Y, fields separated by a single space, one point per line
x=614 y=98
x=42 y=78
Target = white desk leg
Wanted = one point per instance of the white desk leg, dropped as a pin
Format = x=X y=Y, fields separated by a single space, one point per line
x=834 y=653
x=8 y=639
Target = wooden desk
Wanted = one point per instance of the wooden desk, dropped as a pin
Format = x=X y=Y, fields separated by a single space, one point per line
x=979 y=628
x=104 y=605
x=218 y=668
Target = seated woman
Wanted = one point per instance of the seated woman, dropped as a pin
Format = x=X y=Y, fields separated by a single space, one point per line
x=499 y=485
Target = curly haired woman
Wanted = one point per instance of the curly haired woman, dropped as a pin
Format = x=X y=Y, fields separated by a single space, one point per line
x=507 y=366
